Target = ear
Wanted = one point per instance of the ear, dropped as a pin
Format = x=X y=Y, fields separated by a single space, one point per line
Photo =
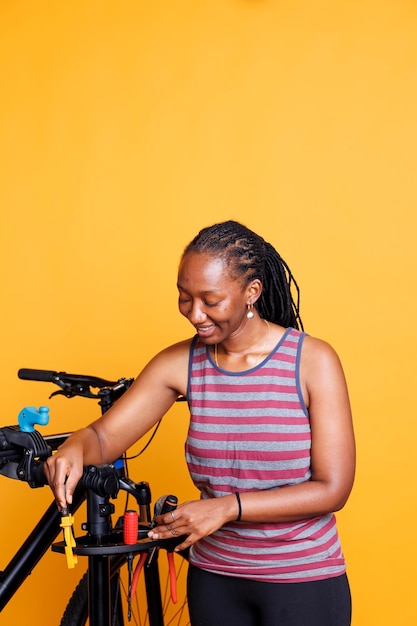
x=253 y=291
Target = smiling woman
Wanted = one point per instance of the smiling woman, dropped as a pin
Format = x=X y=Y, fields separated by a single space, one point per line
x=270 y=443
x=226 y=272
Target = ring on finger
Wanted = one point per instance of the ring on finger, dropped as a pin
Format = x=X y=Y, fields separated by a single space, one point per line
x=174 y=519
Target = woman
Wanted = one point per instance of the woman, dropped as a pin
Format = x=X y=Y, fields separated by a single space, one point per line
x=270 y=443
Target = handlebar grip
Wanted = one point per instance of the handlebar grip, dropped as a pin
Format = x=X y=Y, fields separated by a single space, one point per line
x=165 y=504
x=170 y=504
x=46 y=376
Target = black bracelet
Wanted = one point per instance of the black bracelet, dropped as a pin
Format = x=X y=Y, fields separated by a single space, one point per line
x=239 y=516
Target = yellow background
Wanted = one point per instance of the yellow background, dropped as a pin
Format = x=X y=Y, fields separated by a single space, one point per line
x=125 y=128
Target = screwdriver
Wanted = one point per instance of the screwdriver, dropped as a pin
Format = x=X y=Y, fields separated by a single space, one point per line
x=164 y=504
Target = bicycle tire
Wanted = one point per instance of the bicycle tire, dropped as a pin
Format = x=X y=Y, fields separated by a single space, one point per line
x=76 y=612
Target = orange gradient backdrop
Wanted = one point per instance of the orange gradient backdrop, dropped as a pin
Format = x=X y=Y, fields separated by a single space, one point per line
x=125 y=128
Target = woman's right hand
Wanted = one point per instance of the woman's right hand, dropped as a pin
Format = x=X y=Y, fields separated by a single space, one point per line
x=64 y=469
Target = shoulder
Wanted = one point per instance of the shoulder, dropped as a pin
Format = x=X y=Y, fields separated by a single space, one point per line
x=175 y=354
x=321 y=367
x=315 y=348
x=180 y=350
x=170 y=366
x=173 y=359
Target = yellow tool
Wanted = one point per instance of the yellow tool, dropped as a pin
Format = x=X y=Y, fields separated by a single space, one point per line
x=67 y=522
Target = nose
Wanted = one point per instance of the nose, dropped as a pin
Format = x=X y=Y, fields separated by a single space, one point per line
x=197 y=314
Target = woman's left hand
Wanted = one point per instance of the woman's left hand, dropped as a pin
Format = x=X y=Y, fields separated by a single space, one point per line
x=196 y=519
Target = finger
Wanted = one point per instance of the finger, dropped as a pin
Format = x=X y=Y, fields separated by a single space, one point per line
x=174 y=532
x=164 y=532
x=169 y=531
x=50 y=473
x=70 y=486
x=167 y=519
x=62 y=486
x=59 y=494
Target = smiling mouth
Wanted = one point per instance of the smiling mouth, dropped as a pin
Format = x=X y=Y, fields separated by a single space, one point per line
x=203 y=331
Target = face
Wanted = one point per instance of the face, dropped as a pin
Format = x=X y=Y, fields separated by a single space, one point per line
x=210 y=299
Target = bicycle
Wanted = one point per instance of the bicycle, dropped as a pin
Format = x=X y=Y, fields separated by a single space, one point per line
x=105 y=596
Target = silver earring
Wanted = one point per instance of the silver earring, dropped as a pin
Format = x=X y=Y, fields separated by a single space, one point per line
x=250 y=313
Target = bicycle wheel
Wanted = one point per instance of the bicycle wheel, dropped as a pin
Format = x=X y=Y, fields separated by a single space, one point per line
x=175 y=614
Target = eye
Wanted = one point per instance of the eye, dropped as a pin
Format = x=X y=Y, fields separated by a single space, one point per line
x=211 y=304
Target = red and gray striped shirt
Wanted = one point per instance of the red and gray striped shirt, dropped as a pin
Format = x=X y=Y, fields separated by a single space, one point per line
x=250 y=431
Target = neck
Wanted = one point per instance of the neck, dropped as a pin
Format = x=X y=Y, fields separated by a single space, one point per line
x=234 y=353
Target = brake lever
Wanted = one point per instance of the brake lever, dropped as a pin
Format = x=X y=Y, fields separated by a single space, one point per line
x=69 y=392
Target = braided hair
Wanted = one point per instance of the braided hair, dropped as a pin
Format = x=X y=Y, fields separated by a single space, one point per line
x=248 y=257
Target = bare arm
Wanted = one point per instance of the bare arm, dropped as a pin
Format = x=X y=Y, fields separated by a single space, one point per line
x=140 y=408
x=333 y=447
x=333 y=460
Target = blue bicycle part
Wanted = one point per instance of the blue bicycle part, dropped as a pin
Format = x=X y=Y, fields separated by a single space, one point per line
x=30 y=415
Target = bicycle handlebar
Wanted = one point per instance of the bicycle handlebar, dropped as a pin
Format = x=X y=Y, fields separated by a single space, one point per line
x=50 y=376
x=78 y=384
x=23 y=449
x=72 y=385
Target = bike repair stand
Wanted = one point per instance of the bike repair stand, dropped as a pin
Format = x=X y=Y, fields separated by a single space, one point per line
x=102 y=542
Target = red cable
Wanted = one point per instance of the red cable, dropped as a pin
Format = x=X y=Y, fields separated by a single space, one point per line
x=137 y=572
x=172 y=576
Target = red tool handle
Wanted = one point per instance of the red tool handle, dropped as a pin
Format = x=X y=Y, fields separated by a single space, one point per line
x=130 y=527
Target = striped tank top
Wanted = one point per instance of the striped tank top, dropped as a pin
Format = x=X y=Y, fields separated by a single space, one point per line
x=250 y=431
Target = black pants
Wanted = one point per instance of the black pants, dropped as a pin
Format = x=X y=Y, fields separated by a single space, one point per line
x=225 y=601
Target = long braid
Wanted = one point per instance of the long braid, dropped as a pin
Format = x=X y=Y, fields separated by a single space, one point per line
x=248 y=256
x=277 y=301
